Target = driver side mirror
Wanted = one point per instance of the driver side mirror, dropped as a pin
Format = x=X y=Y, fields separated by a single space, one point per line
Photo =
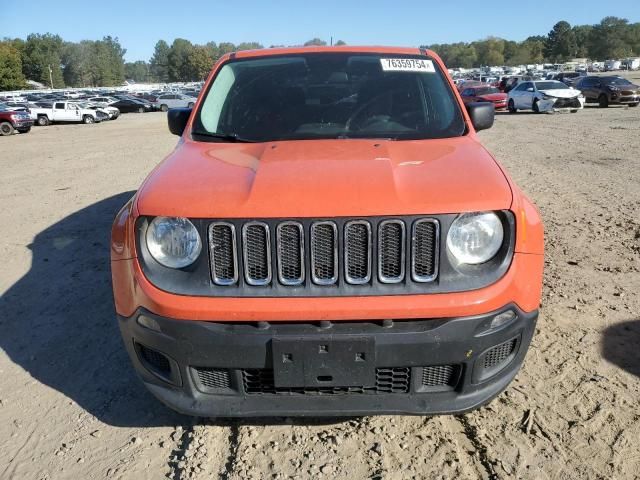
x=482 y=115
x=177 y=119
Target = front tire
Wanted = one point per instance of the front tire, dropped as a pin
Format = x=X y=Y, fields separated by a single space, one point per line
x=512 y=107
x=603 y=101
x=535 y=107
x=43 y=120
x=87 y=119
x=633 y=104
x=6 y=129
x=164 y=108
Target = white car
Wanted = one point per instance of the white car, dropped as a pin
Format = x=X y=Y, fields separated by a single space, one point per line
x=102 y=101
x=544 y=96
x=174 y=100
x=64 y=112
x=111 y=112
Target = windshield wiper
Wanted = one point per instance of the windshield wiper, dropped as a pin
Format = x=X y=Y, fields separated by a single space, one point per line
x=225 y=137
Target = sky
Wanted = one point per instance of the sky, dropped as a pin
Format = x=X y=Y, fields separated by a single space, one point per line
x=139 y=24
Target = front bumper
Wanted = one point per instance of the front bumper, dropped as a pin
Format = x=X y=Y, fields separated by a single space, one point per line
x=426 y=366
x=21 y=124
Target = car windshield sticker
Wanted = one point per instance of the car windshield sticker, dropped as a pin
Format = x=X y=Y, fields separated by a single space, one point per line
x=407 y=65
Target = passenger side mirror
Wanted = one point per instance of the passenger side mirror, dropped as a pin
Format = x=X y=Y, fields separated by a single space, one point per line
x=482 y=115
x=178 y=118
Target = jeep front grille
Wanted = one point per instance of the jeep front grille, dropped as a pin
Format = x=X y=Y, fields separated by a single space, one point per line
x=344 y=253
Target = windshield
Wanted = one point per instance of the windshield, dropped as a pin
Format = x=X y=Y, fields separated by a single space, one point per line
x=552 y=85
x=617 y=81
x=334 y=95
x=486 y=91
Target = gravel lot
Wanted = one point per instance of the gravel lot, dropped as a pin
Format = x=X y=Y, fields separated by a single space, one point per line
x=71 y=406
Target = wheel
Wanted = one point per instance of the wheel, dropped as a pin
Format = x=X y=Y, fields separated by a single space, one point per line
x=535 y=107
x=633 y=104
x=574 y=111
x=603 y=101
x=87 y=119
x=43 y=120
x=512 y=107
x=141 y=110
x=6 y=129
x=164 y=108
x=190 y=105
x=25 y=130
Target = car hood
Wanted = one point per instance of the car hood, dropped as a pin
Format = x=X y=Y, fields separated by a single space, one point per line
x=320 y=178
x=561 y=92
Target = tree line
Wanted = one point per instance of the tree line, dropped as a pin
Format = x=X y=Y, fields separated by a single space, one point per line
x=48 y=59
x=612 y=38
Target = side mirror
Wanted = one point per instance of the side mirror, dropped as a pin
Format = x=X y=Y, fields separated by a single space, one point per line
x=178 y=118
x=482 y=115
x=529 y=89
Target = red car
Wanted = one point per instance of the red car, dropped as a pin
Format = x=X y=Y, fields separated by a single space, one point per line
x=485 y=94
x=12 y=121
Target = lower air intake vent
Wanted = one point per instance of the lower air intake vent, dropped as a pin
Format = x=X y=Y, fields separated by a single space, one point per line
x=440 y=376
x=499 y=354
x=388 y=380
x=154 y=359
x=213 y=378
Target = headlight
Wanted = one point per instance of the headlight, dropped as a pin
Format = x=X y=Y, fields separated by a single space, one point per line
x=475 y=238
x=173 y=241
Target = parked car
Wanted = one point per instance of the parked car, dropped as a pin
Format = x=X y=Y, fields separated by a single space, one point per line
x=102 y=100
x=128 y=105
x=569 y=78
x=174 y=100
x=14 y=121
x=64 y=112
x=545 y=96
x=15 y=106
x=111 y=113
x=609 y=90
x=296 y=256
x=485 y=94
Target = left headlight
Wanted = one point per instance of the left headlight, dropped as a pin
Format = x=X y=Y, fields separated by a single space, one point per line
x=173 y=241
x=475 y=238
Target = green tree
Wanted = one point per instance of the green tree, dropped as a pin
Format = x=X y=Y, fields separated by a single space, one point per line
x=138 y=71
x=584 y=40
x=159 y=63
x=178 y=63
x=609 y=38
x=11 y=77
x=42 y=52
x=199 y=63
x=340 y=43
x=225 y=47
x=560 y=45
x=490 y=51
x=315 y=42
x=249 y=46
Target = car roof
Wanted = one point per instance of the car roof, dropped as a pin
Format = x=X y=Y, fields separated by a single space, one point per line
x=343 y=48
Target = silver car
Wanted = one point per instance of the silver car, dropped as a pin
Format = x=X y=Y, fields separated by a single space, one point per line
x=174 y=100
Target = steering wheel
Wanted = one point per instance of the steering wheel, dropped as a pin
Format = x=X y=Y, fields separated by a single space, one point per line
x=376 y=118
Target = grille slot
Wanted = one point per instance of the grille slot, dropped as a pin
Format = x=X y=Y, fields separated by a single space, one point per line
x=357 y=252
x=440 y=376
x=224 y=260
x=424 y=261
x=290 y=240
x=257 y=253
x=324 y=253
x=213 y=378
x=388 y=380
x=499 y=354
x=391 y=251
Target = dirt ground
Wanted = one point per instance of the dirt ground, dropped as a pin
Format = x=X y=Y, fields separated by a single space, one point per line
x=71 y=406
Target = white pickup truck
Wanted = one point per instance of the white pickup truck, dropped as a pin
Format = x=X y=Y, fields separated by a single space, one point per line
x=63 y=112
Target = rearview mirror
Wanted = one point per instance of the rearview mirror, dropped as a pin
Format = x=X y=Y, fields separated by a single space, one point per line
x=178 y=118
x=482 y=115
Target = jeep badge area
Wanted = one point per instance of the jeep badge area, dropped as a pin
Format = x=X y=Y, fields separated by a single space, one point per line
x=328 y=238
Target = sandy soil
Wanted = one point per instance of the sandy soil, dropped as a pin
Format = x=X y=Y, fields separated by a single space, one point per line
x=71 y=406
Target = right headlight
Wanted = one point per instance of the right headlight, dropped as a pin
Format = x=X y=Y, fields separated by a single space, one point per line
x=173 y=241
x=475 y=238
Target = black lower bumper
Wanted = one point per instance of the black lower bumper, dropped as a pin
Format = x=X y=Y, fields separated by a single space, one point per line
x=426 y=366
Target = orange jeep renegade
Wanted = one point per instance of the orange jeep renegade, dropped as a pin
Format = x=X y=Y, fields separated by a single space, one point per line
x=329 y=237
